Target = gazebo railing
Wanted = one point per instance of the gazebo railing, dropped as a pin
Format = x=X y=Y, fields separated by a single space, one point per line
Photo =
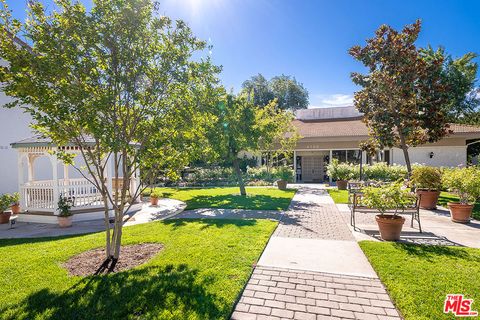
x=39 y=195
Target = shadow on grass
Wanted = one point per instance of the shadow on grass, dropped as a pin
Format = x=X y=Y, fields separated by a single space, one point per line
x=151 y=292
x=233 y=201
x=207 y=222
x=19 y=241
x=429 y=252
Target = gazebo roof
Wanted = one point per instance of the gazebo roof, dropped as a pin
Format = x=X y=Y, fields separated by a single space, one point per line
x=41 y=141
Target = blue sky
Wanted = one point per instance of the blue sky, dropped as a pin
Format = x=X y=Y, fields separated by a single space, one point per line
x=310 y=39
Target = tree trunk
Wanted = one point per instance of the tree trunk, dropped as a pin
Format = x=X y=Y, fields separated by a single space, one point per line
x=236 y=165
x=404 y=148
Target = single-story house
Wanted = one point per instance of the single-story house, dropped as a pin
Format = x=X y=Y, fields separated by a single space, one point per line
x=335 y=133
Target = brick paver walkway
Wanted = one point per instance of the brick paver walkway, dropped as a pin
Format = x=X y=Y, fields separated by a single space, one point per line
x=278 y=293
x=274 y=293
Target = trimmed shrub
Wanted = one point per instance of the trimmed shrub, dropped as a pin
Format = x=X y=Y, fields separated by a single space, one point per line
x=465 y=182
x=426 y=178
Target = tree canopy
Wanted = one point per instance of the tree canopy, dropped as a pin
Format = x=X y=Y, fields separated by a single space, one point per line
x=290 y=94
x=403 y=96
x=241 y=125
x=120 y=75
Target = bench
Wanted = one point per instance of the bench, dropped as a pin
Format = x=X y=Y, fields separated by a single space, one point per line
x=354 y=203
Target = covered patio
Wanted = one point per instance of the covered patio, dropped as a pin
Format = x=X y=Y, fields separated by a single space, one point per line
x=40 y=191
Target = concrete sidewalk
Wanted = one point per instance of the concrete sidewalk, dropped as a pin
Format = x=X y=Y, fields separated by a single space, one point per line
x=312 y=268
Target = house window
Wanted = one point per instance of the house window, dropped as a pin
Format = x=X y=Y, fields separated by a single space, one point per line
x=340 y=155
x=354 y=156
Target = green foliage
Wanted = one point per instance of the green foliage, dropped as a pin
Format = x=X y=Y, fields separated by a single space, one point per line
x=199 y=274
x=5 y=202
x=64 y=205
x=465 y=182
x=155 y=194
x=402 y=95
x=418 y=277
x=382 y=172
x=119 y=81
x=392 y=196
x=290 y=94
x=340 y=171
x=270 y=174
x=428 y=178
x=15 y=198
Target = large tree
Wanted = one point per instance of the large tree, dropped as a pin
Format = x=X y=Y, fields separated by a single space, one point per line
x=403 y=96
x=459 y=75
x=290 y=94
x=121 y=76
x=241 y=125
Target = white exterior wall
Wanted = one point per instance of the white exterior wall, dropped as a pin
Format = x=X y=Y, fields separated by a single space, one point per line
x=14 y=126
x=443 y=156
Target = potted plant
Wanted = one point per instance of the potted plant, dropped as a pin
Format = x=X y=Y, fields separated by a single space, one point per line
x=65 y=215
x=341 y=172
x=285 y=175
x=15 y=203
x=389 y=197
x=465 y=183
x=154 y=195
x=5 y=201
x=428 y=182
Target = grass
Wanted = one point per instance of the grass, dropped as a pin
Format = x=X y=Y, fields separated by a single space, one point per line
x=419 y=277
x=446 y=197
x=258 y=198
x=198 y=275
x=338 y=196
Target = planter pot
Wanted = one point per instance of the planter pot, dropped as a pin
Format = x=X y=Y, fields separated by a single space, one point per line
x=459 y=212
x=5 y=217
x=64 y=222
x=153 y=201
x=15 y=208
x=428 y=199
x=390 y=226
x=282 y=184
x=342 y=184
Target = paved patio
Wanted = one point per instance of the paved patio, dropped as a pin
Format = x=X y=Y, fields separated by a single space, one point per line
x=437 y=228
x=312 y=268
x=165 y=209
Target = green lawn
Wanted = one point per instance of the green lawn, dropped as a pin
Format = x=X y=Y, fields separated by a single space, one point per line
x=258 y=198
x=198 y=275
x=339 y=196
x=419 y=277
x=450 y=197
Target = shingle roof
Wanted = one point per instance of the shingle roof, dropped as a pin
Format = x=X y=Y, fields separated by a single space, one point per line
x=354 y=128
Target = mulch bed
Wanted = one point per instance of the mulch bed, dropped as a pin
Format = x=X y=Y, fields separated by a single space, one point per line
x=88 y=262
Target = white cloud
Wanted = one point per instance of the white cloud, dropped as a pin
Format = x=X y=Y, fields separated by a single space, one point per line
x=331 y=100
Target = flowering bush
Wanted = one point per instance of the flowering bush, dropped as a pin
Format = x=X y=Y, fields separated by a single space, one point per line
x=392 y=196
x=465 y=182
x=427 y=178
x=383 y=172
x=340 y=171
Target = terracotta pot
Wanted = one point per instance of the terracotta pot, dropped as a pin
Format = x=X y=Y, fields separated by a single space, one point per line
x=153 y=201
x=459 y=212
x=64 y=222
x=282 y=184
x=5 y=217
x=390 y=226
x=428 y=199
x=342 y=184
x=15 y=208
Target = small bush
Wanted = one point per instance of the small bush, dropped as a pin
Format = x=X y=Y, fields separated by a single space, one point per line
x=465 y=182
x=155 y=194
x=383 y=172
x=392 y=196
x=340 y=171
x=428 y=178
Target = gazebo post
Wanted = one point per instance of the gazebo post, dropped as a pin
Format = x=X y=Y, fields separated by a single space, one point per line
x=21 y=179
x=56 y=195
x=31 y=169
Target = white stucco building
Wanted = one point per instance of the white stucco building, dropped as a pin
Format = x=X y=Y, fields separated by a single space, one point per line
x=328 y=133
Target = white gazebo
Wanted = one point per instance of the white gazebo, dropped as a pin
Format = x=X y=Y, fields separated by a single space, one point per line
x=39 y=198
